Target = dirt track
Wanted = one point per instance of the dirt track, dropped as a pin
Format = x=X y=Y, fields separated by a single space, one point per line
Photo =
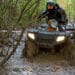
x=43 y=64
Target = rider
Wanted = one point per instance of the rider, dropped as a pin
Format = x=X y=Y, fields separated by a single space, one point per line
x=54 y=11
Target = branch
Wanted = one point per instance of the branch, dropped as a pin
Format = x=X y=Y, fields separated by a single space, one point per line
x=38 y=1
x=13 y=51
x=6 y=7
x=22 y=11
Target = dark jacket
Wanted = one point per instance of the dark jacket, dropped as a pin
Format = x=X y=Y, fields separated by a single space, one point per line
x=56 y=13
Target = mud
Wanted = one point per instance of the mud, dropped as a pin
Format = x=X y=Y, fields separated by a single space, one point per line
x=42 y=64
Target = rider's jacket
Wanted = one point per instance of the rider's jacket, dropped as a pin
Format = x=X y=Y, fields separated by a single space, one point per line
x=54 y=13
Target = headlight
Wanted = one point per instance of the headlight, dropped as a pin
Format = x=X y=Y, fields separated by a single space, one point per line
x=71 y=35
x=31 y=35
x=60 y=38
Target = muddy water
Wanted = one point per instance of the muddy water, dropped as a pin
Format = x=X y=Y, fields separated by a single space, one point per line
x=42 y=64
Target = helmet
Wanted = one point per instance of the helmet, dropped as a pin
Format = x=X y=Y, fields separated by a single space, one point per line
x=50 y=5
x=50 y=1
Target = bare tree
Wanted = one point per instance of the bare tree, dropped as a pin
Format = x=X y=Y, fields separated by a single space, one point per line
x=9 y=22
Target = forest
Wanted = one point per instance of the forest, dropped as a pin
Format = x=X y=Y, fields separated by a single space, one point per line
x=18 y=15
x=18 y=12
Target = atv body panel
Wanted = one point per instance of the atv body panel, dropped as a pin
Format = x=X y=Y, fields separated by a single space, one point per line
x=47 y=39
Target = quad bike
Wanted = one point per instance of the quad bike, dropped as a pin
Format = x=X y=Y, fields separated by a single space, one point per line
x=45 y=37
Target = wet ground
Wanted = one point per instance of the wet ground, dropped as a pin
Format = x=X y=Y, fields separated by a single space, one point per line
x=42 y=64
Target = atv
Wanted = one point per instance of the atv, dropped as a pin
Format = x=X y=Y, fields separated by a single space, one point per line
x=43 y=37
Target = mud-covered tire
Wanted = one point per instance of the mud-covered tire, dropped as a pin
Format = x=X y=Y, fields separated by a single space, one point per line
x=68 y=51
x=74 y=37
x=58 y=48
x=31 y=49
x=72 y=54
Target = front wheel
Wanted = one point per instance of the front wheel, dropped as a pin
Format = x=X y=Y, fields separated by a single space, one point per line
x=31 y=49
x=68 y=51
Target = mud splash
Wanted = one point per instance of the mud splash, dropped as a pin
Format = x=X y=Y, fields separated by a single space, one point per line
x=43 y=64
